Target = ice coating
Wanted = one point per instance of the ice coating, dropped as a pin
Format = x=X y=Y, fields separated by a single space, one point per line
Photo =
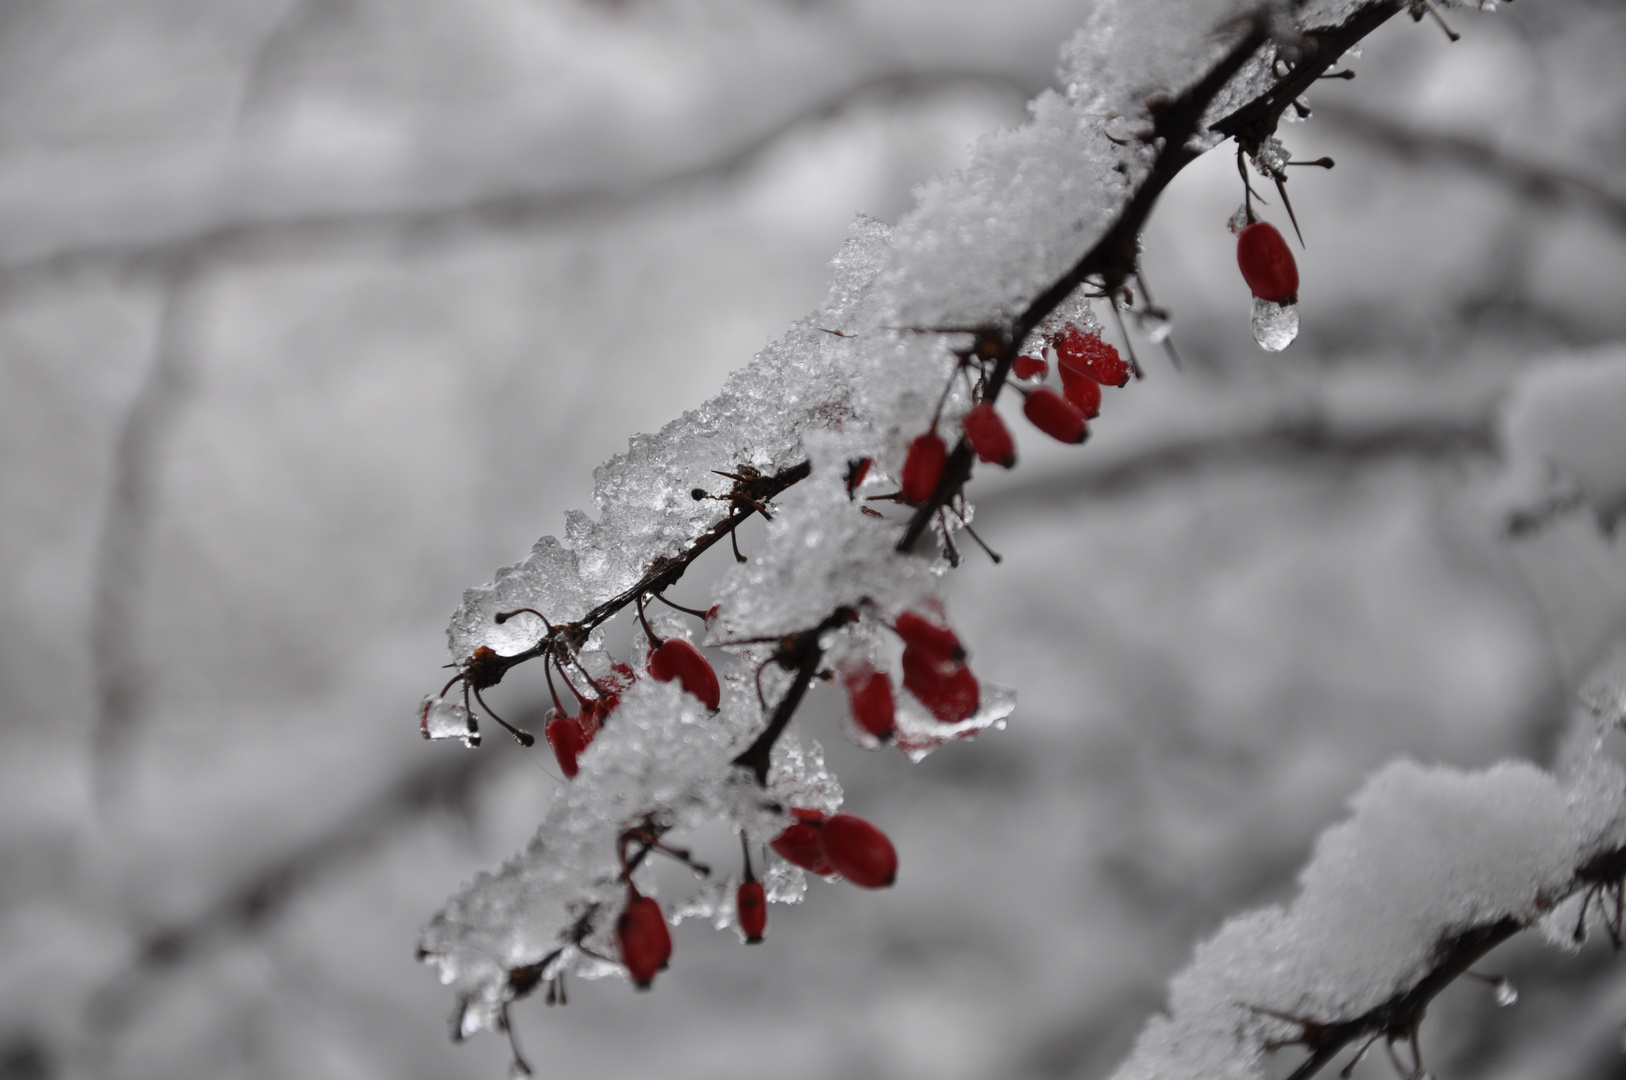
x=860 y=377
x=1428 y=852
x=1275 y=326
x=662 y=757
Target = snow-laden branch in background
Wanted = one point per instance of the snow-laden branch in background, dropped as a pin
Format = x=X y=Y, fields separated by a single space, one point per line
x=1434 y=869
x=922 y=321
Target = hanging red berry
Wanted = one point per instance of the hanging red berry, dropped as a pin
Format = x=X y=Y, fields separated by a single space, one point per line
x=947 y=688
x=923 y=467
x=928 y=637
x=1084 y=392
x=1029 y=367
x=988 y=436
x=677 y=659
x=799 y=846
x=1055 y=415
x=869 y=693
x=859 y=851
x=1267 y=263
x=645 y=943
x=565 y=735
x=751 y=904
x=1087 y=354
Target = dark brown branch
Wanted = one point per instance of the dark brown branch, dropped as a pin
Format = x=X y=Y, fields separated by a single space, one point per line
x=800 y=653
x=1111 y=260
x=662 y=574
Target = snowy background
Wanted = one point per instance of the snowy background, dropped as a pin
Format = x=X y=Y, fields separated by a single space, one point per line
x=314 y=313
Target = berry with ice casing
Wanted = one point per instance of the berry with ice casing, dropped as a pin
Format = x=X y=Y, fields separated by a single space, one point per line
x=1267 y=263
x=677 y=659
x=1079 y=353
x=1055 y=415
x=929 y=637
x=859 y=851
x=989 y=437
x=869 y=694
x=799 y=843
x=1083 y=392
x=642 y=937
x=751 y=905
x=568 y=739
x=923 y=467
x=1029 y=367
x=947 y=688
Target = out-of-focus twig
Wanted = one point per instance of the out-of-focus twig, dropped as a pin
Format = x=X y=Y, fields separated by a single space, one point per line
x=307 y=232
x=447 y=783
x=127 y=520
x=1296 y=441
x=1533 y=179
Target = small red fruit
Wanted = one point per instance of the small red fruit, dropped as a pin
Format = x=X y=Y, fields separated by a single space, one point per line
x=799 y=846
x=751 y=904
x=1029 y=367
x=1267 y=263
x=1084 y=392
x=988 y=436
x=566 y=736
x=923 y=467
x=646 y=944
x=677 y=659
x=947 y=688
x=869 y=692
x=859 y=851
x=1087 y=354
x=928 y=637
x=1055 y=415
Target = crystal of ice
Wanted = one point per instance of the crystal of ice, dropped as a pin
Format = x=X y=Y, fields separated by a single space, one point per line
x=1274 y=325
x=1506 y=992
x=439 y=718
x=1155 y=323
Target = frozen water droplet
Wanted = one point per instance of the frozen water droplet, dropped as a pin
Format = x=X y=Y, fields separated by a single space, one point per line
x=1506 y=992
x=1239 y=220
x=1274 y=325
x=1155 y=323
x=518 y=1070
x=442 y=719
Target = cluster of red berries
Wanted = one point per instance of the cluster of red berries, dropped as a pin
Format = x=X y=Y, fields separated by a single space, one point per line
x=1267 y=263
x=825 y=844
x=1085 y=363
x=934 y=671
x=672 y=659
x=838 y=844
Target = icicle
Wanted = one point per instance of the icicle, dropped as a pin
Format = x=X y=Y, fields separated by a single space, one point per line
x=1274 y=325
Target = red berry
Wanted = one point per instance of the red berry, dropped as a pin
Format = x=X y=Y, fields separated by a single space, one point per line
x=646 y=944
x=869 y=692
x=1029 y=367
x=565 y=735
x=799 y=846
x=928 y=637
x=1084 y=392
x=1087 y=354
x=923 y=467
x=859 y=851
x=947 y=688
x=1267 y=263
x=677 y=659
x=1055 y=415
x=988 y=436
x=751 y=903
